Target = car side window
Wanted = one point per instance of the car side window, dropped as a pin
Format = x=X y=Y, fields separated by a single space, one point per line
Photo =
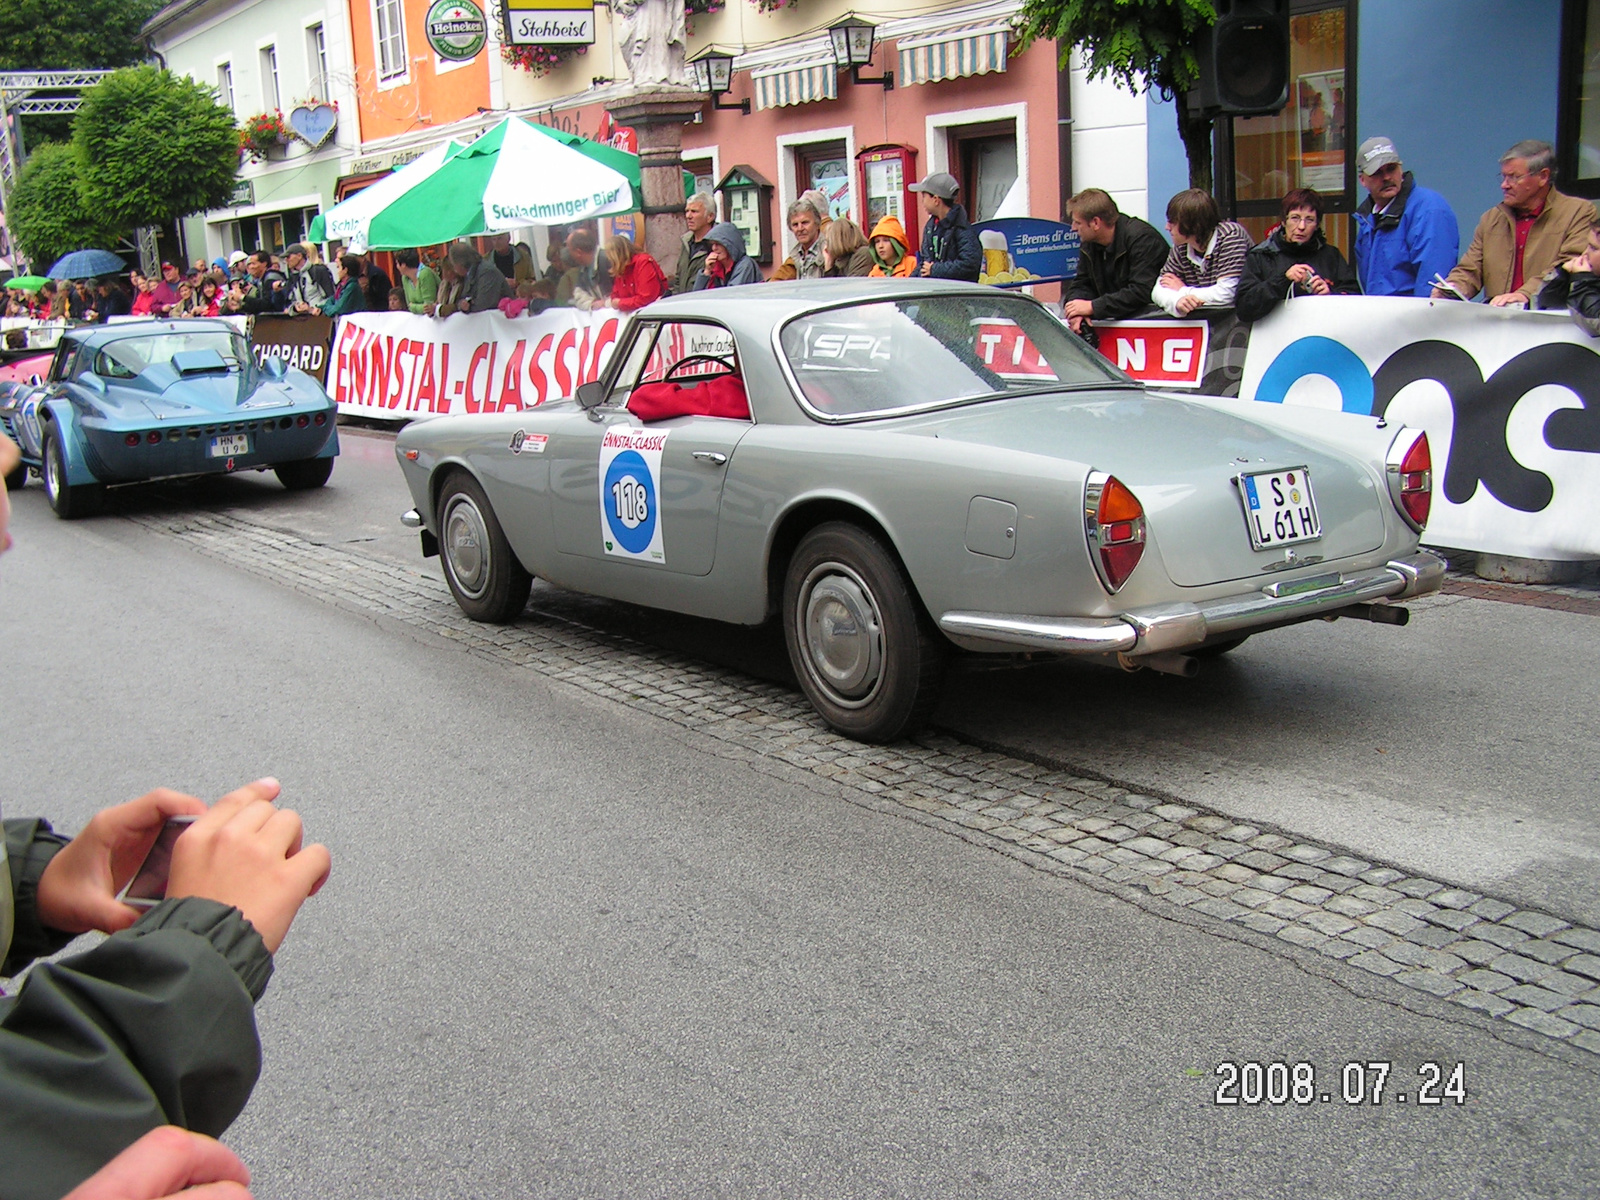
x=686 y=350
x=644 y=338
x=111 y=366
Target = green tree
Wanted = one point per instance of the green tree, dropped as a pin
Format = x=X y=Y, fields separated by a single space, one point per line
x=47 y=215
x=154 y=147
x=1142 y=45
x=69 y=35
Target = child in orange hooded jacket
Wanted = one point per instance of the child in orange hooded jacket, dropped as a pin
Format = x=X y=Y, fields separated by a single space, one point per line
x=891 y=251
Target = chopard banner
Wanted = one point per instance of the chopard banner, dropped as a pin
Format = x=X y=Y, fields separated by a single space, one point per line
x=1510 y=400
x=397 y=366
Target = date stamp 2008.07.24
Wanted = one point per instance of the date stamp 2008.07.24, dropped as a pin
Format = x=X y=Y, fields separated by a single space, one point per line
x=1250 y=1084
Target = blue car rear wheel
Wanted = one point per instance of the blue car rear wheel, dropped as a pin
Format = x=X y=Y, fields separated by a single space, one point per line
x=70 y=501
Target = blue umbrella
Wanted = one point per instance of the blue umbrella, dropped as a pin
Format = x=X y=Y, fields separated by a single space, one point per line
x=86 y=264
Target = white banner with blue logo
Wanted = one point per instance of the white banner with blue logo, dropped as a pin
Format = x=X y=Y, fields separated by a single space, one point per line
x=1510 y=401
x=630 y=492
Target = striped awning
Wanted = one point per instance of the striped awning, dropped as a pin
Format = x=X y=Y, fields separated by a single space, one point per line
x=954 y=53
x=798 y=81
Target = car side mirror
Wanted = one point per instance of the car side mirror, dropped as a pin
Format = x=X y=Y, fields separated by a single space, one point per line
x=590 y=395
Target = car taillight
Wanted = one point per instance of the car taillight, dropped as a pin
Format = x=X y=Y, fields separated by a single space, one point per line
x=302 y=420
x=131 y=440
x=321 y=418
x=153 y=436
x=1114 y=521
x=1410 y=469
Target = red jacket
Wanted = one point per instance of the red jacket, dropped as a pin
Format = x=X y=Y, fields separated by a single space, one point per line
x=640 y=283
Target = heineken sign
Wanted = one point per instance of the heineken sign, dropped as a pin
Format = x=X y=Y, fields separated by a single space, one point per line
x=457 y=29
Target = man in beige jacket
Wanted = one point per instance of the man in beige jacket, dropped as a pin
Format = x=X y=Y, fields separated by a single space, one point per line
x=1532 y=230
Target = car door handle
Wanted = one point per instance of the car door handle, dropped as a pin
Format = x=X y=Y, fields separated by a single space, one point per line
x=715 y=458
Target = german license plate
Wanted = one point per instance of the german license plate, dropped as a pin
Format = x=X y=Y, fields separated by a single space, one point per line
x=1279 y=508
x=230 y=445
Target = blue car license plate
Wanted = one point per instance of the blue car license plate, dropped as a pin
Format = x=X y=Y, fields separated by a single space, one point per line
x=1279 y=508
x=229 y=445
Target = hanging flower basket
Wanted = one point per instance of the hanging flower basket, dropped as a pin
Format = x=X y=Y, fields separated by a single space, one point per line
x=540 y=60
x=264 y=133
x=768 y=6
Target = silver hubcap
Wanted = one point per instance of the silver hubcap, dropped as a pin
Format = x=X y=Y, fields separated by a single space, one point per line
x=466 y=546
x=842 y=633
x=52 y=474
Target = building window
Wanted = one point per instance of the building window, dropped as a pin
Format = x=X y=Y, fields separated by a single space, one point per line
x=1307 y=145
x=317 y=61
x=271 y=96
x=391 y=27
x=1578 y=117
x=825 y=167
x=984 y=158
x=225 y=83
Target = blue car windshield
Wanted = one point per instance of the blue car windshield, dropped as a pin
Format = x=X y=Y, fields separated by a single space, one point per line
x=927 y=351
x=127 y=357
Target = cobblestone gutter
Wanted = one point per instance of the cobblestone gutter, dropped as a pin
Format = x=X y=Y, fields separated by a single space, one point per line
x=1529 y=968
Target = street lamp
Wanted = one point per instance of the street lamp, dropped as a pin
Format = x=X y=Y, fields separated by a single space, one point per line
x=713 y=74
x=853 y=43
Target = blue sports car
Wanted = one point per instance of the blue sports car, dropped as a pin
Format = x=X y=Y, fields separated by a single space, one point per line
x=163 y=399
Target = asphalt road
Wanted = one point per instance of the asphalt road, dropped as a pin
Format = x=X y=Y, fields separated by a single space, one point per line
x=1463 y=746
x=573 y=949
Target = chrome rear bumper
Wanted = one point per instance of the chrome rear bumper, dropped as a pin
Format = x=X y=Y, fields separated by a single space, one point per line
x=1181 y=626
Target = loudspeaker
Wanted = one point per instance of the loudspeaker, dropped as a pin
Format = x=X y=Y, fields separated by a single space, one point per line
x=1244 y=59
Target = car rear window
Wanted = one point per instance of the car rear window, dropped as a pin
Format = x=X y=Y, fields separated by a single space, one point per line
x=927 y=351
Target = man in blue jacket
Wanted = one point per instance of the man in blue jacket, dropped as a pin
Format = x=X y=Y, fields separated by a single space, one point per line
x=950 y=247
x=1405 y=234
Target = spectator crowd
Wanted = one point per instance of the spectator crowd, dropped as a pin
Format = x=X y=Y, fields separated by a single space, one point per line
x=1533 y=249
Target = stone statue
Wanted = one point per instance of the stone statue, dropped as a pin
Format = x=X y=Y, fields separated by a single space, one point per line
x=654 y=37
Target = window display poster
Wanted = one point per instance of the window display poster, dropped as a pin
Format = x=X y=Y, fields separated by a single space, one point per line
x=885 y=191
x=744 y=213
x=1320 y=121
x=831 y=177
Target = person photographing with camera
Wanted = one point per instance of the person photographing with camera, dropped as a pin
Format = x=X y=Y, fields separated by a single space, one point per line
x=119 y=1065
x=1294 y=260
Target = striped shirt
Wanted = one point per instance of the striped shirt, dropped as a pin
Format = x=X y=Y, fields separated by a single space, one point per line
x=1214 y=276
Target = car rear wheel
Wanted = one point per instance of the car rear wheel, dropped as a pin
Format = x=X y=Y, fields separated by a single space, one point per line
x=484 y=575
x=865 y=655
x=68 y=500
x=305 y=474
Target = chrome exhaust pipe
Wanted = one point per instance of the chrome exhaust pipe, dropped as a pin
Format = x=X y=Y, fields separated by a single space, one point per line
x=1166 y=662
x=1378 y=614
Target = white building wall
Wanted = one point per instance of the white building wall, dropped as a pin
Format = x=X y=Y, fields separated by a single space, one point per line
x=1108 y=142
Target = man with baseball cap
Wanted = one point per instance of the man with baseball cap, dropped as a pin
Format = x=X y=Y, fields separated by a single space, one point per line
x=1406 y=234
x=950 y=247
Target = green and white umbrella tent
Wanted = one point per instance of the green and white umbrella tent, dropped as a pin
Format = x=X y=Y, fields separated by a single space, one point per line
x=348 y=220
x=511 y=177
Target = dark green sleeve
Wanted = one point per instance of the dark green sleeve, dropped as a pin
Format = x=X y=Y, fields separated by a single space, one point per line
x=30 y=845
x=153 y=1026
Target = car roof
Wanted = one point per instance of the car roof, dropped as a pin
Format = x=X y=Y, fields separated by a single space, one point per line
x=757 y=308
x=104 y=335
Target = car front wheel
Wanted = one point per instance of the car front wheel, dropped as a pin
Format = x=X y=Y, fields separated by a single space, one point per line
x=484 y=575
x=304 y=474
x=68 y=500
x=864 y=653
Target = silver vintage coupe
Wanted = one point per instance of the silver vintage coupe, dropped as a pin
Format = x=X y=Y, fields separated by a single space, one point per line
x=895 y=467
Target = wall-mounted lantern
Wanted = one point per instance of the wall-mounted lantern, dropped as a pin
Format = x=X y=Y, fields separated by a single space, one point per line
x=854 y=41
x=713 y=74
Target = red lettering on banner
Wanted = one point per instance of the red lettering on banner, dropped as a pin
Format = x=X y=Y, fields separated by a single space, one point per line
x=1156 y=352
x=604 y=339
x=379 y=350
x=564 y=373
x=427 y=386
x=537 y=377
x=398 y=377
x=348 y=332
x=1009 y=352
x=441 y=401
x=511 y=381
x=358 y=367
x=478 y=355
